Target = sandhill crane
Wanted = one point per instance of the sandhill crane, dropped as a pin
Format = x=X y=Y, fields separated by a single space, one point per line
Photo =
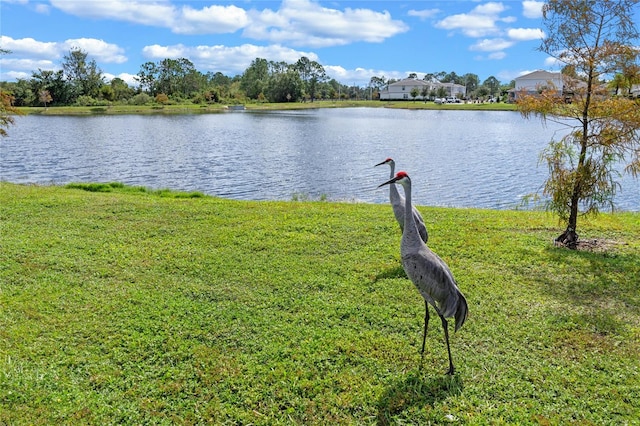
x=397 y=203
x=429 y=272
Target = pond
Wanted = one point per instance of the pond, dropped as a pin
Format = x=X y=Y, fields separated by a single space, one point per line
x=485 y=159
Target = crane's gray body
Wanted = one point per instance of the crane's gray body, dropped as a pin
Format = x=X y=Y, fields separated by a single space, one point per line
x=398 y=205
x=431 y=276
x=429 y=273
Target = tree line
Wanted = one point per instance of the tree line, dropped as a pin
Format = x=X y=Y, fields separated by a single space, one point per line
x=82 y=82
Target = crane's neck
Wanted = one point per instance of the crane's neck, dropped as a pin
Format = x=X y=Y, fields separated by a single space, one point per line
x=393 y=190
x=410 y=233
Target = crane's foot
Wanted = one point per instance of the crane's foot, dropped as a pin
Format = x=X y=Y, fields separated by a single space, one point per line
x=451 y=371
x=421 y=361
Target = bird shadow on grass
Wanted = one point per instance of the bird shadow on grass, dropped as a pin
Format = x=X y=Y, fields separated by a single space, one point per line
x=390 y=273
x=415 y=390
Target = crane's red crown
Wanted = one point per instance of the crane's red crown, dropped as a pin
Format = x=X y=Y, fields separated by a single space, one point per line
x=401 y=175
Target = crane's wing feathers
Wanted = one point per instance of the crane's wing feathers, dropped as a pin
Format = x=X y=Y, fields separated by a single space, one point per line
x=434 y=280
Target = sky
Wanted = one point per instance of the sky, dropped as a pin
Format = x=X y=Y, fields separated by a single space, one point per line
x=352 y=40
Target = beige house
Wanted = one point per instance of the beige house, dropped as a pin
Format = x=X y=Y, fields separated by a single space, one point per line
x=535 y=82
x=401 y=90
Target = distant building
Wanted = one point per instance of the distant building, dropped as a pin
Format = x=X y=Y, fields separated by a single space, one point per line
x=535 y=82
x=401 y=90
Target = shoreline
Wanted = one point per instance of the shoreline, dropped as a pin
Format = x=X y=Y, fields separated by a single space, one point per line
x=220 y=108
x=123 y=188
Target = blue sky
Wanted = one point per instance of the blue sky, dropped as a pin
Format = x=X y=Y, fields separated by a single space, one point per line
x=352 y=40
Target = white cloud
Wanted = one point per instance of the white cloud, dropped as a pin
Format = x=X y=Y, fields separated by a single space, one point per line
x=97 y=49
x=525 y=34
x=493 y=56
x=27 y=65
x=480 y=22
x=297 y=22
x=30 y=46
x=234 y=60
x=128 y=78
x=490 y=8
x=22 y=68
x=473 y=26
x=155 y=51
x=552 y=62
x=424 y=13
x=497 y=55
x=359 y=76
x=218 y=19
x=228 y=60
x=532 y=9
x=43 y=8
x=341 y=74
x=490 y=45
x=158 y=13
x=14 y=75
x=306 y=23
x=508 y=75
x=161 y=13
x=362 y=76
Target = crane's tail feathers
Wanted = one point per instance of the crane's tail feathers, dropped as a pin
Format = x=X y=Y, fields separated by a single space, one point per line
x=461 y=312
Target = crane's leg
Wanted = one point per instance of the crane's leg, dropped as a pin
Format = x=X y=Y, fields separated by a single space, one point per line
x=426 y=322
x=445 y=325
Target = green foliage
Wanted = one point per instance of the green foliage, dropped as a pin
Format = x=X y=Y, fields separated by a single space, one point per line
x=190 y=108
x=140 y=99
x=82 y=74
x=593 y=39
x=96 y=187
x=127 y=308
x=6 y=110
x=300 y=196
x=89 y=101
x=122 y=188
x=596 y=187
x=268 y=81
x=161 y=98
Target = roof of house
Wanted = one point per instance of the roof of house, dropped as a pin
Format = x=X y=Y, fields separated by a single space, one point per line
x=540 y=75
x=410 y=82
x=417 y=82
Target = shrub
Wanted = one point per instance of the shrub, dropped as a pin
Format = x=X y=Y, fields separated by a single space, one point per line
x=140 y=99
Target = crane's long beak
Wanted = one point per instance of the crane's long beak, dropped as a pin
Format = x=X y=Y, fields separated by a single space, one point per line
x=390 y=181
x=380 y=164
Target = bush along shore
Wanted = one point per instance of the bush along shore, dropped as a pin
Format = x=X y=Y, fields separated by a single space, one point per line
x=123 y=305
x=190 y=108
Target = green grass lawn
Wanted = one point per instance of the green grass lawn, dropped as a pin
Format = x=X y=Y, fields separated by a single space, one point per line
x=151 y=307
x=190 y=108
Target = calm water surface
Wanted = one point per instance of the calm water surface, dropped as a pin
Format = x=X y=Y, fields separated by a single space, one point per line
x=455 y=158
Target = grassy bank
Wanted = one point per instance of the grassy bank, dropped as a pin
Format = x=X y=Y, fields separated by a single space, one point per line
x=189 y=108
x=141 y=307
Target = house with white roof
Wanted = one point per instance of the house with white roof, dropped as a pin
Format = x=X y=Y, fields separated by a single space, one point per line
x=535 y=82
x=401 y=90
